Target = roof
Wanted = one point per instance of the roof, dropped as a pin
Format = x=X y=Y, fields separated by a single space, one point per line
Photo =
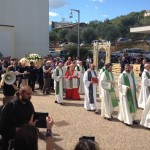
x=2 y=25
x=145 y=29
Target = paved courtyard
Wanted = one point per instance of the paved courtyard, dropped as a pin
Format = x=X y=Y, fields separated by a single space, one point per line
x=73 y=121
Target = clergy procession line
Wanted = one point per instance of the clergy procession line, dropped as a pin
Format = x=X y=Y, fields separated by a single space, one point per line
x=75 y=80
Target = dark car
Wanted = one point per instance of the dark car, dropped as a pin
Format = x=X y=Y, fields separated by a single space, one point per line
x=64 y=53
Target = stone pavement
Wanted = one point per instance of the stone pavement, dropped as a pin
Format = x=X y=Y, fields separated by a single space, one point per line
x=73 y=121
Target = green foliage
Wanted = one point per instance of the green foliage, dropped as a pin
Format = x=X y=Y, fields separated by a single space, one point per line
x=109 y=30
x=89 y=34
x=73 y=50
x=62 y=35
x=53 y=36
x=72 y=36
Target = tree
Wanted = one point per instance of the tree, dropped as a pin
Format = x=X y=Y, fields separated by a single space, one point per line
x=89 y=34
x=93 y=23
x=62 y=35
x=72 y=36
x=53 y=36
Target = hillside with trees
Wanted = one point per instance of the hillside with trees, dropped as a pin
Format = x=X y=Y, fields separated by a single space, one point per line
x=109 y=30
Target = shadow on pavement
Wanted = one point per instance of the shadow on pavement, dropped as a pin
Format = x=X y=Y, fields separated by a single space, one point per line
x=42 y=137
x=74 y=104
x=57 y=147
x=115 y=113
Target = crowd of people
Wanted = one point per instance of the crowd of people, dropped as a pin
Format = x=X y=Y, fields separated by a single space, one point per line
x=70 y=79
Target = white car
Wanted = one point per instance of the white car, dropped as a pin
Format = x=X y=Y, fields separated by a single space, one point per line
x=54 y=53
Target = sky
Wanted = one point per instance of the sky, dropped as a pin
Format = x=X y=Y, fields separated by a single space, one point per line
x=94 y=9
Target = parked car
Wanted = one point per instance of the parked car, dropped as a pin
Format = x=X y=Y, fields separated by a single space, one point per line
x=123 y=40
x=64 y=53
x=54 y=53
x=148 y=40
x=117 y=53
x=134 y=52
x=63 y=44
x=99 y=42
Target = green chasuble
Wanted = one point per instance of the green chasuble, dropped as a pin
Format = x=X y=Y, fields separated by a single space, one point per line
x=71 y=81
x=132 y=74
x=130 y=98
x=112 y=90
x=78 y=69
x=103 y=69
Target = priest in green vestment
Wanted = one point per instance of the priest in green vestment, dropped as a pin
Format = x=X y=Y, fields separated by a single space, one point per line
x=109 y=100
x=58 y=84
x=127 y=97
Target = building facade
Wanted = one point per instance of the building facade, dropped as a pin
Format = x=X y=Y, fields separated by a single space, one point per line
x=26 y=25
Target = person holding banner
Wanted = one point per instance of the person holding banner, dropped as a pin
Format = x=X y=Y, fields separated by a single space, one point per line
x=127 y=97
x=58 y=84
x=109 y=99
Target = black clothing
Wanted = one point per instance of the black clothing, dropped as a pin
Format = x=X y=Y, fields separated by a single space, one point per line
x=8 y=90
x=14 y=114
x=22 y=70
x=32 y=72
x=141 y=67
x=122 y=64
x=40 y=77
x=12 y=68
x=32 y=77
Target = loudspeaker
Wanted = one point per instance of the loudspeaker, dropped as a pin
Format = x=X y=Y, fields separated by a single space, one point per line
x=9 y=77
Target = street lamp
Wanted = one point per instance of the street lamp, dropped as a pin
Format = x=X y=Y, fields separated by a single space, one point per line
x=70 y=16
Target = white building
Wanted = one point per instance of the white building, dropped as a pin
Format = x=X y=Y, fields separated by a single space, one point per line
x=145 y=29
x=24 y=27
x=147 y=13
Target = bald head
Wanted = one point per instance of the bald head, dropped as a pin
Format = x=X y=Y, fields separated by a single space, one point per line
x=147 y=66
x=60 y=65
x=23 y=89
x=25 y=93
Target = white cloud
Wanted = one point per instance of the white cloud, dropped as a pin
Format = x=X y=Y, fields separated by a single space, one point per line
x=53 y=14
x=96 y=7
x=104 y=16
x=98 y=1
x=87 y=6
x=57 y=3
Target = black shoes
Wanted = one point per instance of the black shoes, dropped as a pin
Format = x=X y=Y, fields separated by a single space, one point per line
x=134 y=122
x=96 y=111
x=47 y=93
x=129 y=125
x=109 y=119
x=59 y=103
